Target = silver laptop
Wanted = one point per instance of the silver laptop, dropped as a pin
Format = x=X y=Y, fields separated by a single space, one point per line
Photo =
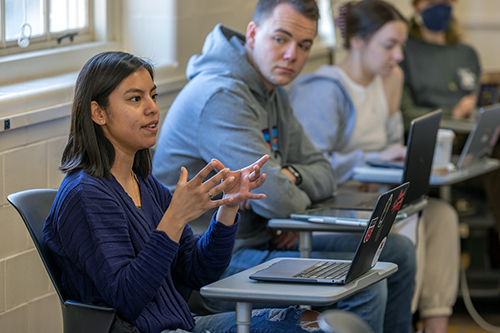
x=343 y=271
x=353 y=209
x=482 y=138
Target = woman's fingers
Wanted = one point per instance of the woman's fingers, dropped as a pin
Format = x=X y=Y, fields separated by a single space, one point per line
x=255 y=174
x=215 y=181
x=238 y=184
x=198 y=179
x=260 y=162
x=259 y=181
x=183 y=177
x=216 y=187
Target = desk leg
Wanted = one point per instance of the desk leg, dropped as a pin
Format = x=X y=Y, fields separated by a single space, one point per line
x=305 y=243
x=243 y=317
x=445 y=193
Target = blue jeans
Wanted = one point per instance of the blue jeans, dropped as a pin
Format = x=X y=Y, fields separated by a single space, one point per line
x=263 y=321
x=385 y=306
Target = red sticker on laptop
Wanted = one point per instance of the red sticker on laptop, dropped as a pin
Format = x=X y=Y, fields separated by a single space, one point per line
x=399 y=201
x=369 y=232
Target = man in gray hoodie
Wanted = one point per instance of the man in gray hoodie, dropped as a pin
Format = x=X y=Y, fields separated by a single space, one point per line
x=235 y=109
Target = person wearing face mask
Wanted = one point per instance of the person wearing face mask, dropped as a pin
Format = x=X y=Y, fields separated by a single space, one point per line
x=440 y=71
x=350 y=112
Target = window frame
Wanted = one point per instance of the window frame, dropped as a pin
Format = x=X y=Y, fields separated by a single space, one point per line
x=47 y=40
x=47 y=62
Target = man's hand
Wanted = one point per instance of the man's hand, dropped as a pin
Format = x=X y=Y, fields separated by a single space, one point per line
x=286 y=239
x=464 y=107
x=393 y=152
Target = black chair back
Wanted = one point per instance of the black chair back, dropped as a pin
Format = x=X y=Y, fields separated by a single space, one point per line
x=34 y=206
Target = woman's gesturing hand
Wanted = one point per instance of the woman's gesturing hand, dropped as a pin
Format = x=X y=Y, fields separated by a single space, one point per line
x=191 y=199
x=239 y=189
x=245 y=180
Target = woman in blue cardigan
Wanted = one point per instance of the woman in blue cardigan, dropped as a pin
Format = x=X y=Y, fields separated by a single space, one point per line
x=120 y=237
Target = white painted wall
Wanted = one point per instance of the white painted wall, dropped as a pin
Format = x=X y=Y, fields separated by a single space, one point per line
x=30 y=154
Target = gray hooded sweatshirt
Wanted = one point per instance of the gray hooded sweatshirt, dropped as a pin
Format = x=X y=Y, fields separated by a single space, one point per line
x=226 y=112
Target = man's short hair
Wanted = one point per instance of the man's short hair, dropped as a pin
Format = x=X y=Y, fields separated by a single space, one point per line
x=264 y=8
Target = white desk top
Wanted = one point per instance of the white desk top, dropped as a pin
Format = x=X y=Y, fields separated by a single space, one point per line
x=295 y=225
x=240 y=288
x=395 y=176
x=289 y=224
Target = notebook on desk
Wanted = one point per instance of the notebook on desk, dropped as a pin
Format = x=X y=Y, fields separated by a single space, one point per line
x=343 y=271
x=482 y=138
x=416 y=170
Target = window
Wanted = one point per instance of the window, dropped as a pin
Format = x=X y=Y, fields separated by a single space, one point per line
x=94 y=21
x=28 y=25
x=326 y=27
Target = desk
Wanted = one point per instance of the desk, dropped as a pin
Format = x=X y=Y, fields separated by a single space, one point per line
x=241 y=289
x=457 y=125
x=395 y=176
x=306 y=229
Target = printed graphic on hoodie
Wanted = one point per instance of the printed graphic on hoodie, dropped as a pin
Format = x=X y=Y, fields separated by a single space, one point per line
x=274 y=145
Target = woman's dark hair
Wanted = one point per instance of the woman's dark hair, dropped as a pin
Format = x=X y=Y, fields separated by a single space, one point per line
x=264 y=8
x=364 y=18
x=87 y=147
x=453 y=35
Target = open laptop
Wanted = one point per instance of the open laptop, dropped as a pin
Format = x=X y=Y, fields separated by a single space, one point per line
x=353 y=208
x=343 y=271
x=482 y=138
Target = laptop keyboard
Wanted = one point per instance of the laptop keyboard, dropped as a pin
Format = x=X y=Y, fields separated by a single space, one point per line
x=331 y=270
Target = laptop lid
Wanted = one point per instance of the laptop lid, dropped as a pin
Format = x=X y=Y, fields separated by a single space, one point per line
x=482 y=138
x=373 y=240
x=421 y=143
x=367 y=253
x=416 y=170
x=417 y=166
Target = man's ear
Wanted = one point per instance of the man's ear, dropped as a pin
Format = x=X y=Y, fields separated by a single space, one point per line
x=250 y=34
x=98 y=114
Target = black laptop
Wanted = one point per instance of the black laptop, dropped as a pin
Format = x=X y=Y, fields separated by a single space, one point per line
x=343 y=271
x=482 y=138
x=348 y=208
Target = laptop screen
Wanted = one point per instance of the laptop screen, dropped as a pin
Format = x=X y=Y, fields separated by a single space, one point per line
x=418 y=163
x=482 y=138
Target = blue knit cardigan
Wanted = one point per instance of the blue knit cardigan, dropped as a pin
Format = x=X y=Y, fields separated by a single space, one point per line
x=110 y=251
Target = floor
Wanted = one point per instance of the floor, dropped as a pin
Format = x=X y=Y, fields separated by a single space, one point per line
x=487 y=308
x=483 y=249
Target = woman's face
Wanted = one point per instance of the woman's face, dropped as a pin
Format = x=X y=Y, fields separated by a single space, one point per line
x=131 y=119
x=384 y=49
x=422 y=5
